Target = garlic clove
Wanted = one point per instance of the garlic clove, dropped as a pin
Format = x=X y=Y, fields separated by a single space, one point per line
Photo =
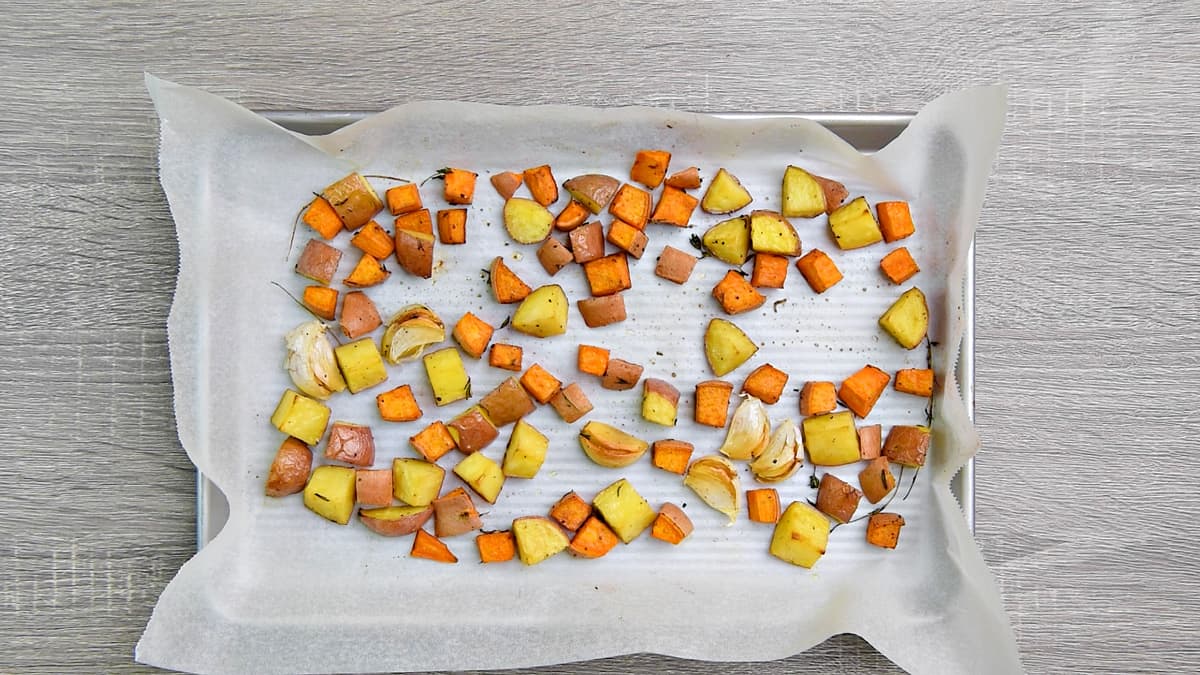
x=715 y=481
x=410 y=331
x=310 y=361
x=781 y=457
x=749 y=430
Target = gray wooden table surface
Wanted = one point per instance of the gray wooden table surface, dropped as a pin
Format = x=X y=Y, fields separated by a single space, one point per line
x=1088 y=291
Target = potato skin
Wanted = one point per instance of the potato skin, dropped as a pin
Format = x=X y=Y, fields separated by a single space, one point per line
x=289 y=472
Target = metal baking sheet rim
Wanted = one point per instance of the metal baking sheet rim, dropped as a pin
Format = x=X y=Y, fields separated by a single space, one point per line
x=868 y=132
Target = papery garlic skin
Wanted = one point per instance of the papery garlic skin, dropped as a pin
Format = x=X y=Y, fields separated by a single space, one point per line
x=716 y=482
x=781 y=458
x=310 y=361
x=749 y=430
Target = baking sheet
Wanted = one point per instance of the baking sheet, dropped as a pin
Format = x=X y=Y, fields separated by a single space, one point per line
x=867 y=132
x=335 y=599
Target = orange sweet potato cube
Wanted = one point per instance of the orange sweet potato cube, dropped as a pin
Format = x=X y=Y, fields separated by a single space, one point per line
x=712 y=403
x=770 y=271
x=540 y=384
x=321 y=301
x=763 y=505
x=403 y=199
x=915 y=381
x=452 y=226
x=674 y=207
x=883 y=529
x=398 y=405
x=571 y=217
x=321 y=217
x=899 y=266
x=650 y=167
x=592 y=360
x=368 y=271
x=373 y=487
x=736 y=295
x=593 y=540
x=494 y=547
x=627 y=238
x=373 y=240
x=608 y=275
x=429 y=547
x=433 y=441
x=506 y=183
x=671 y=525
x=895 y=220
x=817 y=398
x=675 y=265
x=507 y=357
x=766 y=383
x=861 y=390
x=632 y=205
x=818 y=270
x=672 y=455
x=541 y=184
x=460 y=186
x=473 y=334
x=417 y=221
x=571 y=511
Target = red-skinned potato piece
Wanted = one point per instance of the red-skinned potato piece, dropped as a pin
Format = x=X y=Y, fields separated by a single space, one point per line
x=350 y=443
x=395 y=521
x=373 y=487
x=454 y=513
x=414 y=252
x=587 y=242
x=289 y=472
x=602 y=311
x=507 y=403
x=319 y=261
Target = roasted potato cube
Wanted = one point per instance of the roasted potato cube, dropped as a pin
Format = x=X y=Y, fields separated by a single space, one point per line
x=854 y=226
x=876 y=480
x=571 y=403
x=870 y=441
x=725 y=194
x=359 y=315
x=507 y=183
x=318 y=261
x=593 y=190
x=414 y=252
x=801 y=535
x=726 y=347
x=527 y=221
x=554 y=256
x=507 y=403
x=610 y=447
x=483 y=474
x=537 y=538
x=373 y=487
x=300 y=416
x=361 y=364
x=688 y=179
x=543 y=313
x=675 y=265
x=802 y=194
x=395 y=521
x=831 y=439
x=772 y=233
x=587 y=242
x=625 y=511
x=330 y=493
x=454 y=513
x=907 y=320
x=415 y=481
x=597 y=312
x=350 y=443
x=289 y=471
x=526 y=451
x=729 y=240
x=472 y=430
x=660 y=402
x=837 y=499
x=447 y=376
x=906 y=445
x=355 y=201
x=621 y=375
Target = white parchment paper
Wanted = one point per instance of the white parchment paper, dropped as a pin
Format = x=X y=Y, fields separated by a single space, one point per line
x=280 y=590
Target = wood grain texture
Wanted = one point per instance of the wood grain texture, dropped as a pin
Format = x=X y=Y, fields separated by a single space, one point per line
x=1088 y=294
